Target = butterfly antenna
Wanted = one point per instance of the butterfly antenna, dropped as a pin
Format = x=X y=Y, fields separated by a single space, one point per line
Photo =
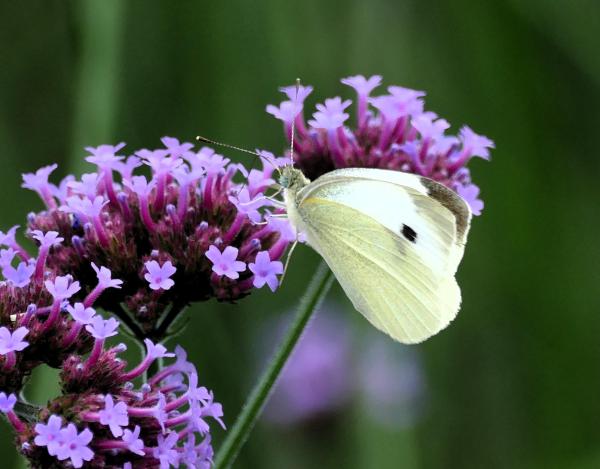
x=294 y=123
x=200 y=138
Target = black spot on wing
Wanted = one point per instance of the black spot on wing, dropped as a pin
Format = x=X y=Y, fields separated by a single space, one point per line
x=409 y=233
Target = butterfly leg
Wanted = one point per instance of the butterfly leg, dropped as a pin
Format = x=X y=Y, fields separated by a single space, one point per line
x=287 y=262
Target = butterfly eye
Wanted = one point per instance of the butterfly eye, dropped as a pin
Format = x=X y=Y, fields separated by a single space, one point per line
x=284 y=181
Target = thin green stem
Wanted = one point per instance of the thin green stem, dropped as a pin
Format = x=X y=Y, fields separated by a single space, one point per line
x=237 y=436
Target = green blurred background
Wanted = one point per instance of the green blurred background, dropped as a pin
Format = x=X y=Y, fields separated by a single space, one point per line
x=515 y=381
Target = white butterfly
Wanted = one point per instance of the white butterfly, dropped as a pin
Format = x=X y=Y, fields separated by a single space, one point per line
x=393 y=240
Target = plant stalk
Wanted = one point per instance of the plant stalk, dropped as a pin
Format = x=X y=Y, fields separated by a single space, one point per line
x=239 y=433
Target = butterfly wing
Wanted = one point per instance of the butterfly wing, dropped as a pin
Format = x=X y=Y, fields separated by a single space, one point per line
x=394 y=242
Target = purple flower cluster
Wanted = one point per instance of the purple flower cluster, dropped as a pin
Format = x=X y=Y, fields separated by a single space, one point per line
x=101 y=418
x=197 y=228
x=104 y=420
x=393 y=131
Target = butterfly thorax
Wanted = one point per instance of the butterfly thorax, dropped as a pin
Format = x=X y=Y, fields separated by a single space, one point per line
x=292 y=181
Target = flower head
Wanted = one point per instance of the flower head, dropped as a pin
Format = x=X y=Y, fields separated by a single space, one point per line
x=393 y=131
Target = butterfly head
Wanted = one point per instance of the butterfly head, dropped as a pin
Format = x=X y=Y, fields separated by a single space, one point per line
x=292 y=179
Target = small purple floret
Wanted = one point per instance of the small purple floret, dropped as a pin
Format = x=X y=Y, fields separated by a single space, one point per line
x=158 y=276
x=12 y=342
x=265 y=271
x=225 y=263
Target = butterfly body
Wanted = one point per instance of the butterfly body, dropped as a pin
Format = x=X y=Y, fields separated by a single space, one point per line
x=393 y=240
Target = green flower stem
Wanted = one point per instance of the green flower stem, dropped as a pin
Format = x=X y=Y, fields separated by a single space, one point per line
x=237 y=436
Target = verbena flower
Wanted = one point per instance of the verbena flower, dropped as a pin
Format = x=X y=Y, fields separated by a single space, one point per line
x=102 y=419
x=157 y=232
x=390 y=131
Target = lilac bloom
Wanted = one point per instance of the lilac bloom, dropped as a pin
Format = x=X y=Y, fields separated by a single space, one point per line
x=105 y=279
x=212 y=162
x=214 y=410
x=104 y=156
x=194 y=392
x=429 y=128
x=61 y=191
x=330 y=115
x=175 y=148
x=159 y=276
x=296 y=93
x=166 y=451
x=81 y=314
x=205 y=454
x=8 y=238
x=114 y=415
x=189 y=456
x=390 y=107
x=265 y=271
x=101 y=328
x=225 y=263
x=470 y=193
x=444 y=144
x=286 y=112
x=140 y=185
x=362 y=85
x=75 y=445
x=186 y=177
x=21 y=276
x=159 y=161
x=48 y=239
x=126 y=168
x=85 y=207
x=48 y=434
x=155 y=351
x=247 y=205
x=133 y=441
x=38 y=181
x=7 y=403
x=62 y=288
x=410 y=100
x=88 y=186
x=257 y=181
x=12 y=342
x=7 y=256
x=196 y=418
x=474 y=144
x=181 y=363
x=159 y=411
x=283 y=227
